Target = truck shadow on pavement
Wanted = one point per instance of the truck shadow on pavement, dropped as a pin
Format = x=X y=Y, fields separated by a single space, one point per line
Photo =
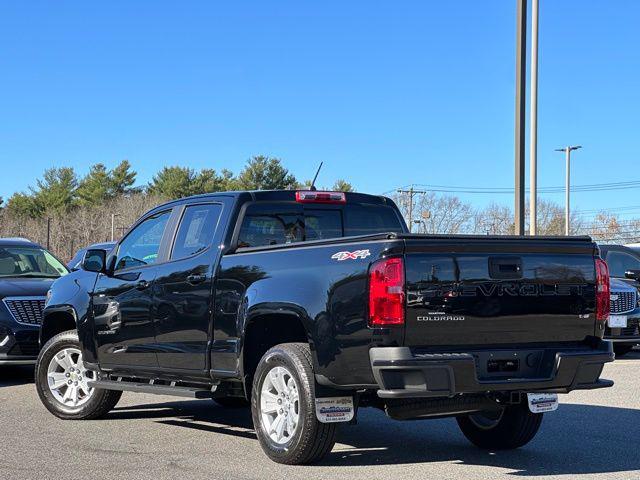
x=12 y=376
x=578 y=439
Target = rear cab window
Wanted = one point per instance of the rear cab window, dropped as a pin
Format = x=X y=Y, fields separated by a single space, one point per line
x=275 y=223
x=196 y=230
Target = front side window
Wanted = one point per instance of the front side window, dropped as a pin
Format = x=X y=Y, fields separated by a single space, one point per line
x=620 y=262
x=29 y=262
x=142 y=245
x=196 y=230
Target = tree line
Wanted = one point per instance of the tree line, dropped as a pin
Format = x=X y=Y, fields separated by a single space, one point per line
x=61 y=190
x=67 y=212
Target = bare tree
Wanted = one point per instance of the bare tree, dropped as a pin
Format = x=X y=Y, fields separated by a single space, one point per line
x=433 y=213
x=83 y=226
x=494 y=220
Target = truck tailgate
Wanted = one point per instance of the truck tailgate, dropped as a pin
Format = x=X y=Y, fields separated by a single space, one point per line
x=479 y=292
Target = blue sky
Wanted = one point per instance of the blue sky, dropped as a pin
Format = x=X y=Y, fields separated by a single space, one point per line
x=385 y=93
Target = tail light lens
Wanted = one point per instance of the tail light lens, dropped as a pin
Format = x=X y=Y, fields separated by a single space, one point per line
x=386 y=293
x=602 y=291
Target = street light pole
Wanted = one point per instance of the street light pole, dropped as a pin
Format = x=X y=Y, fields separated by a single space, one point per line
x=567 y=212
x=521 y=81
x=533 y=122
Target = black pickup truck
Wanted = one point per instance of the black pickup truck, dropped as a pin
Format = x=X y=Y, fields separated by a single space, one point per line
x=309 y=305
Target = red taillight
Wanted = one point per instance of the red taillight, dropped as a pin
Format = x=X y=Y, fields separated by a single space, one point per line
x=602 y=291
x=311 y=196
x=386 y=293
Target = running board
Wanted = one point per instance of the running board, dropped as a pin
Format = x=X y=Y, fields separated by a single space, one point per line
x=141 y=387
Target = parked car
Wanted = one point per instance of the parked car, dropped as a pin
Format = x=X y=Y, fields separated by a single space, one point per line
x=311 y=304
x=27 y=271
x=622 y=326
x=624 y=269
x=76 y=261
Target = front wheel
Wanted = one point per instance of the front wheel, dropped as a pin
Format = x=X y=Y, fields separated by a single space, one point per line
x=511 y=427
x=283 y=407
x=62 y=381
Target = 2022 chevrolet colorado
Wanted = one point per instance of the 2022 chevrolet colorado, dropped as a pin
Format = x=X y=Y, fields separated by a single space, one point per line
x=309 y=305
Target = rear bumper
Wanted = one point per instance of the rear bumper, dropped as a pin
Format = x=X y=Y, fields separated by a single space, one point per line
x=622 y=339
x=401 y=373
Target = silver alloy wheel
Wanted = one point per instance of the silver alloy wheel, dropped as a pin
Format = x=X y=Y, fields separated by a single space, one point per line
x=67 y=378
x=486 y=420
x=279 y=405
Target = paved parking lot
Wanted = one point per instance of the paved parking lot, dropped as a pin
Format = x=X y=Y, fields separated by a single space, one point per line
x=593 y=434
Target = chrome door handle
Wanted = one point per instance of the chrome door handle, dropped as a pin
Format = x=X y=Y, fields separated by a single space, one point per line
x=196 y=278
x=142 y=285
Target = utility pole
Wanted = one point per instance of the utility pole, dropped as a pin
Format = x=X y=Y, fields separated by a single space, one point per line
x=113 y=225
x=411 y=193
x=533 y=122
x=521 y=82
x=48 y=233
x=567 y=152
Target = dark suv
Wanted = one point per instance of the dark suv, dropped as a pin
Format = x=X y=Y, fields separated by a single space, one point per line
x=26 y=273
x=623 y=327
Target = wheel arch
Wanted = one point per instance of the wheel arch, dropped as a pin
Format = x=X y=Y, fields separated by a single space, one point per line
x=263 y=331
x=57 y=321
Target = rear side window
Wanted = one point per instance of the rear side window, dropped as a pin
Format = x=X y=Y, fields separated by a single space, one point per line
x=370 y=219
x=196 y=229
x=274 y=224
x=321 y=224
x=271 y=224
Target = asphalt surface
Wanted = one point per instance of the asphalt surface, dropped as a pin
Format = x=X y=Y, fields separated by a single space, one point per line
x=594 y=434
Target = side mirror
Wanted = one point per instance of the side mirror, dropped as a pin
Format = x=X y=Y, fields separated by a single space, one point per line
x=95 y=261
x=633 y=275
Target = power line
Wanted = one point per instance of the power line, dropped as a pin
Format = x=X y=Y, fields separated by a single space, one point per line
x=593 y=187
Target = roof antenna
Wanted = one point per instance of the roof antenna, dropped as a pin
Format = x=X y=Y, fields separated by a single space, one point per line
x=313 y=183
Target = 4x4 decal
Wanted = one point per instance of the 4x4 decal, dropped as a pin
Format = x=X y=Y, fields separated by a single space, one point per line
x=340 y=256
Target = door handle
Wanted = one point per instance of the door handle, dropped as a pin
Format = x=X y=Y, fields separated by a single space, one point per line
x=196 y=278
x=142 y=285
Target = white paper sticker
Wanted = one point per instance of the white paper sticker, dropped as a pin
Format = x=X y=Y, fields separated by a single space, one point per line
x=618 y=321
x=542 y=402
x=334 y=409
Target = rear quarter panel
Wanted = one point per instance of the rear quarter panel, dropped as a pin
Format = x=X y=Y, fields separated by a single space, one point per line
x=329 y=297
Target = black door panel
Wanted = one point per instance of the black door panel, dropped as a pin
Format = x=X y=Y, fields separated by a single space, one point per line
x=123 y=323
x=183 y=299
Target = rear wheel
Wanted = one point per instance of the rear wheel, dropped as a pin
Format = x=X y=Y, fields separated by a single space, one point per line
x=283 y=407
x=509 y=428
x=62 y=381
x=621 y=349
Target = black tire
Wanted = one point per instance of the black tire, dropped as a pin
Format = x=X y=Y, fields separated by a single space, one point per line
x=232 y=402
x=312 y=440
x=514 y=427
x=621 y=349
x=98 y=405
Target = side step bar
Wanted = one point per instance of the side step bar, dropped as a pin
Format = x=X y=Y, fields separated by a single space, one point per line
x=141 y=387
